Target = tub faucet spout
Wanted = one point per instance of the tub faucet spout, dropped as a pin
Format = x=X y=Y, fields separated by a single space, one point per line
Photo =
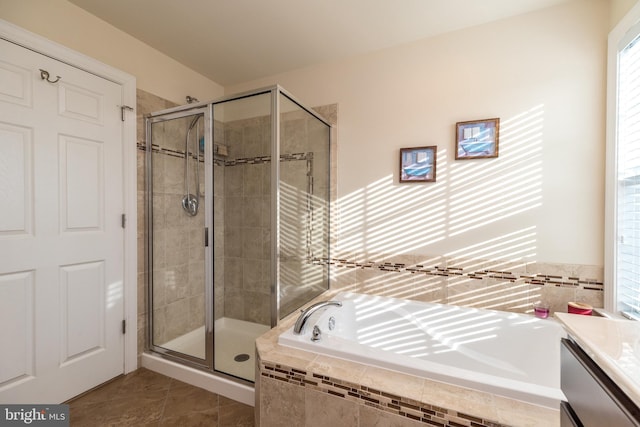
x=306 y=313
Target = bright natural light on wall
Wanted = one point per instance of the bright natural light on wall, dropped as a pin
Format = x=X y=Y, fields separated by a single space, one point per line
x=506 y=252
x=384 y=218
x=482 y=194
x=471 y=198
x=303 y=230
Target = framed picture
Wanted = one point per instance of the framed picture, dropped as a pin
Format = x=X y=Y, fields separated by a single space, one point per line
x=477 y=139
x=418 y=164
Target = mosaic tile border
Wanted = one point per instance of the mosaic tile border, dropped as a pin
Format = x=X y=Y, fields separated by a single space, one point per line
x=531 y=279
x=267 y=159
x=157 y=149
x=221 y=162
x=378 y=399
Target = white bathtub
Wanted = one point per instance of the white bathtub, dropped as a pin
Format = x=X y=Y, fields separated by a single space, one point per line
x=512 y=355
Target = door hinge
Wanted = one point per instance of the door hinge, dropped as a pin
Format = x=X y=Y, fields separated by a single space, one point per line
x=124 y=326
x=123 y=108
x=123 y=220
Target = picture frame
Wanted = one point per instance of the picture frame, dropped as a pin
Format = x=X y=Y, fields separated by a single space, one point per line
x=477 y=139
x=418 y=164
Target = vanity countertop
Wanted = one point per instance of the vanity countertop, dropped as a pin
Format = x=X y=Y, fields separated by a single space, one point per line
x=614 y=344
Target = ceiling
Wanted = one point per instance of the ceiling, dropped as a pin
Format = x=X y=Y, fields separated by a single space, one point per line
x=234 y=41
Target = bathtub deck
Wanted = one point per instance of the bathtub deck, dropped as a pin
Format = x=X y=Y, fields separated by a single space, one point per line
x=368 y=388
x=508 y=354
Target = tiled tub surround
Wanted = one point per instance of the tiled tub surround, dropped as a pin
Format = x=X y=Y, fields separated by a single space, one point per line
x=494 y=284
x=508 y=354
x=295 y=387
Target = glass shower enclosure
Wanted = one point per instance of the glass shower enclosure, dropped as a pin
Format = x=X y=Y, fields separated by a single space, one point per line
x=236 y=240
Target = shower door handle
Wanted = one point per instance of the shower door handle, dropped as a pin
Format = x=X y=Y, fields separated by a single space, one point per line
x=206 y=237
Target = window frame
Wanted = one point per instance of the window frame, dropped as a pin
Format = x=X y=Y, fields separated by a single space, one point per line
x=626 y=31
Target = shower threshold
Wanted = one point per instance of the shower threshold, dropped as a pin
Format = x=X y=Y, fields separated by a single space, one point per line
x=234 y=341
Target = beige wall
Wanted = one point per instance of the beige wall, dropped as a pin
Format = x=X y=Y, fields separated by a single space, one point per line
x=71 y=26
x=618 y=9
x=542 y=73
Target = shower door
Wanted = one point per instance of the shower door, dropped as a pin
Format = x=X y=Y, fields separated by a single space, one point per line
x=238 y=224
x=177 y=214
x=242 y=191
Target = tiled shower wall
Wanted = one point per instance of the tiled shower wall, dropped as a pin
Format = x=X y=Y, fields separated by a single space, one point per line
x=178 y=237
x=145 y=104
x=218 y=227
x=246 y=217
x=246 y=208
x=178 y=288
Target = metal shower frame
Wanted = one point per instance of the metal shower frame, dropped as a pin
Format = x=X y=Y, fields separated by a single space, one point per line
x=206 y=108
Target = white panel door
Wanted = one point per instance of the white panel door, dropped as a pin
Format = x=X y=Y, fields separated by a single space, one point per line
x=61 y=240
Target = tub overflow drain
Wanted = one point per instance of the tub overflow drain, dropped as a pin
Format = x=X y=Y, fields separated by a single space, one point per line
x=241 y=357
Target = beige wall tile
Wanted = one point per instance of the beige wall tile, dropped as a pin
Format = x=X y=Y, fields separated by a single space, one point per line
x=371 y=417
x=322 y=409
x=272 y=412
x=593 y=298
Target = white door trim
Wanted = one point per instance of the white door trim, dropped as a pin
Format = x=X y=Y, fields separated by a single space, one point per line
x=61 y=53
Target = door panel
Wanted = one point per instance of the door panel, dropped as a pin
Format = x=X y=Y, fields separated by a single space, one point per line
x=81 y=184
x=79 y=103
x=61 y=241
x=15 y=84
x=16 y=302
x=82 y=302
x=16 y=160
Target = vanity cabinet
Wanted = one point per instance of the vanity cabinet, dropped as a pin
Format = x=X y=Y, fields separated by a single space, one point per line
x=594 y=400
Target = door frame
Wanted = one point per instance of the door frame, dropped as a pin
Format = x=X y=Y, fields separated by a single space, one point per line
x=51 y=49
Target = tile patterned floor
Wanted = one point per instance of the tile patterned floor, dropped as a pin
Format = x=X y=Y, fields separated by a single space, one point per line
x=146 y=398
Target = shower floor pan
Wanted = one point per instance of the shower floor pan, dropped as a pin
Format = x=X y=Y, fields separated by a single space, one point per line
x=233 y=340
